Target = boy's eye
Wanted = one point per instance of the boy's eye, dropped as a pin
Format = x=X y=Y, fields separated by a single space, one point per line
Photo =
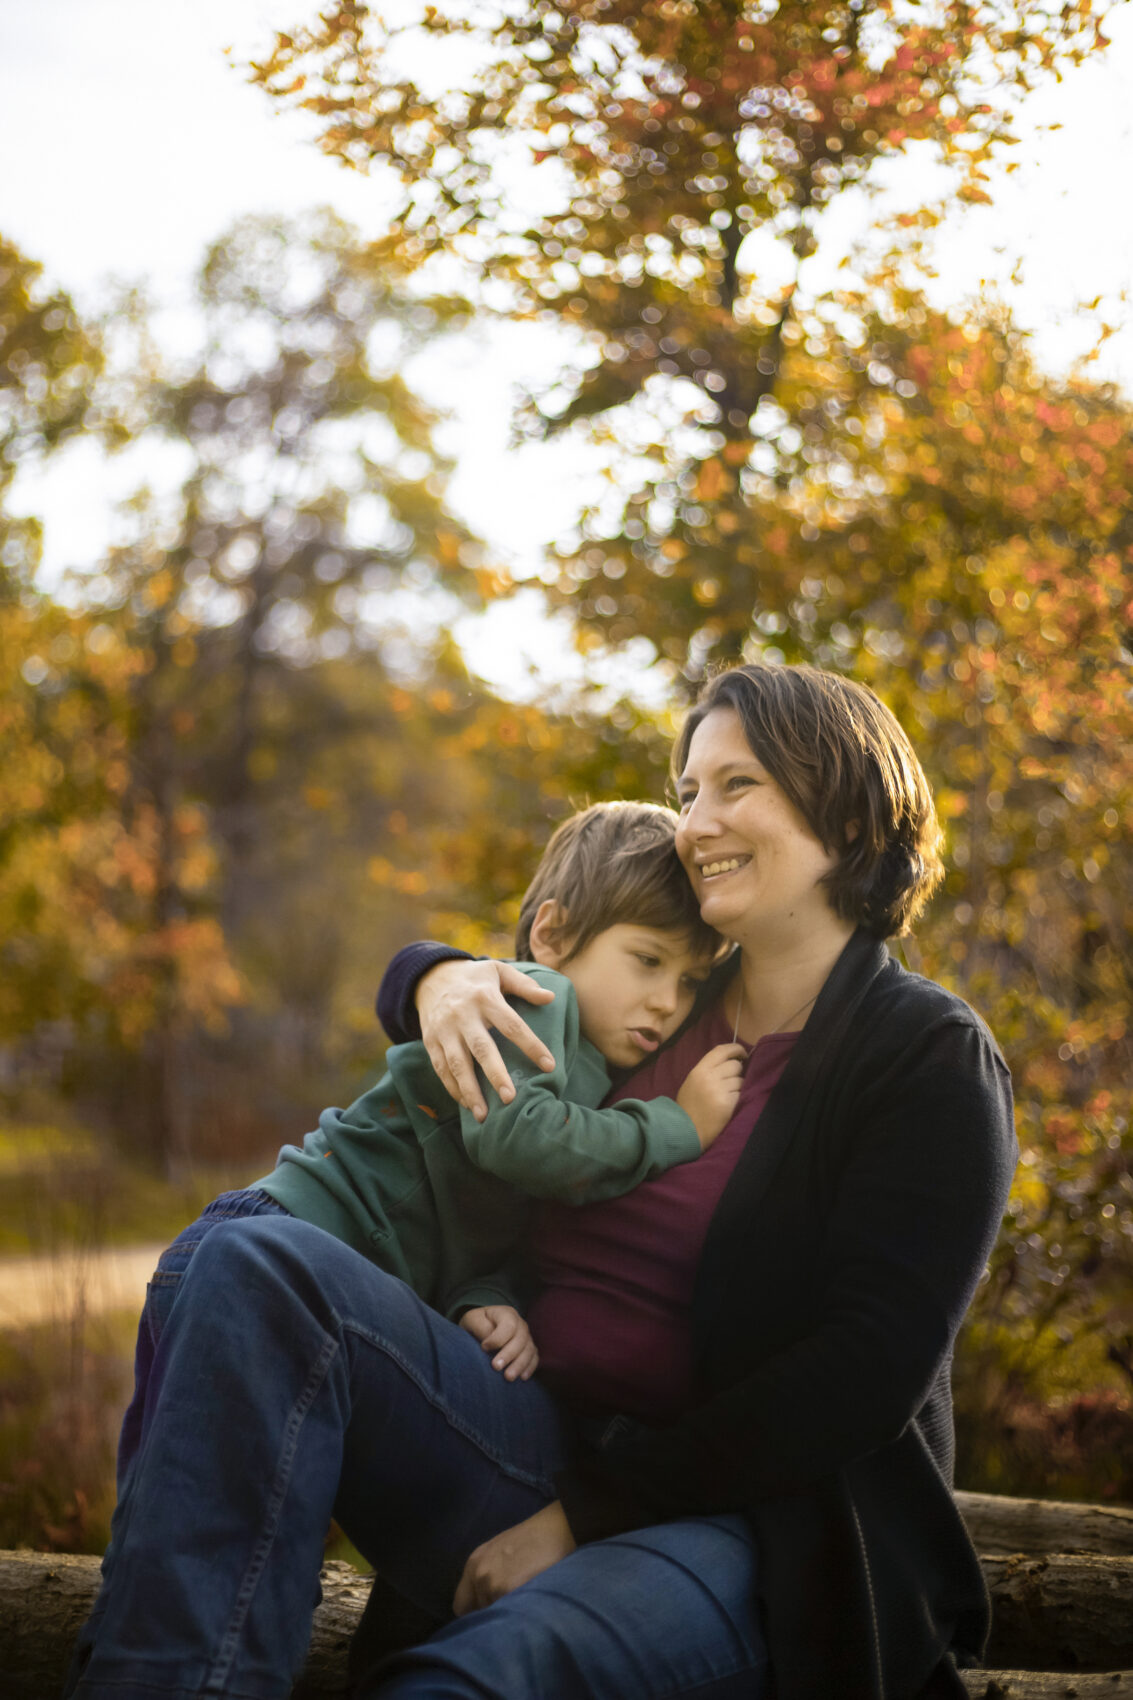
x=648 y=961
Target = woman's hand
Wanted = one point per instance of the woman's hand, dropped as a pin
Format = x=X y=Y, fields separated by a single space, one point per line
x=459 y=1002
x=501 y=1329
x=513 y=1557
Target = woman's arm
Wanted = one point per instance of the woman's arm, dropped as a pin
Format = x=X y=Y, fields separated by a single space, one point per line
x=453 y=1002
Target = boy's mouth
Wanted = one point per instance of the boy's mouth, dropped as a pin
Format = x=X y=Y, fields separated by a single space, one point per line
x=645 y=1038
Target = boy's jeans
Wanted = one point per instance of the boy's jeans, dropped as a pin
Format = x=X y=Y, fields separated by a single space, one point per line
x=291 y=1380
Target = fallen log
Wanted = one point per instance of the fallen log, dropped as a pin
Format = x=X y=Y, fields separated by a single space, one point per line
x=1040 y=1685
x=1071 y=1611
x=1001 y=1525
x=45 y=1598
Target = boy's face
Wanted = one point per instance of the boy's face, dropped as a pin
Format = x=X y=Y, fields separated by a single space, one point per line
x=635 y=985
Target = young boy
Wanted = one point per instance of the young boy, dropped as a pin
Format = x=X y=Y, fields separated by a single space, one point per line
x=421 y=1188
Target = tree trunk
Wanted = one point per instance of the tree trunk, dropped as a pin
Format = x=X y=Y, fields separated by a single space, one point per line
x=1053 y=1611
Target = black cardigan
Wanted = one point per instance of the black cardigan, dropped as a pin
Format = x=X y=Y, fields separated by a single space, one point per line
x=835 y=1275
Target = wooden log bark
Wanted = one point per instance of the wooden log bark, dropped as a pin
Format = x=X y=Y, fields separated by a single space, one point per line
x=45 y=1598
x=1070 y=1612
x=1000 y=1525
x=1046 y=1685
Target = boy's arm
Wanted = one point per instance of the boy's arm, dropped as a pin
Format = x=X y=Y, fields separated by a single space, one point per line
x=495 y=1288
x=552 y=1141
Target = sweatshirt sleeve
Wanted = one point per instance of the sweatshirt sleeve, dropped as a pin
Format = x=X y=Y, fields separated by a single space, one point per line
x=395 y=1004
x=913 y=1220
x=497 y=1288
x=552 y=1141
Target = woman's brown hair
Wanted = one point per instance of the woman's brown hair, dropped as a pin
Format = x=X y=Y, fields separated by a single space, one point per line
x=845 y=763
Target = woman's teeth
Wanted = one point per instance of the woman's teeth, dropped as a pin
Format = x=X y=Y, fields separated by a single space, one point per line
x=710 y=869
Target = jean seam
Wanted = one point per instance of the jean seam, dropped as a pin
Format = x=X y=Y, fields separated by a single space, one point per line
x=218 y=1675
x=435 y=1399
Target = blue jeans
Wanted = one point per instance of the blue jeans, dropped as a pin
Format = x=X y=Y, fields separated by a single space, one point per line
x=292 y=1381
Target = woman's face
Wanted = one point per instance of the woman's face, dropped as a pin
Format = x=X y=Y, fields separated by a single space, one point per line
x=753 y=861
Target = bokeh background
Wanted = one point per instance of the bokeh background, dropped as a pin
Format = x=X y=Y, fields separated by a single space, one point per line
x=347 y=546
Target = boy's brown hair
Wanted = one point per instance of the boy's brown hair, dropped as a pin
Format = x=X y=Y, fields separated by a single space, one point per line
x=846 y=765
x=614 y=864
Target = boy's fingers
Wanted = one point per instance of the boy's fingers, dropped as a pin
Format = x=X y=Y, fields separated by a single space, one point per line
x=525 y=1365
x=516 y=1357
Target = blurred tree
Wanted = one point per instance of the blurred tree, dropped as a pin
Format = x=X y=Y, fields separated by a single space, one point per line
x=265 y=596
x=76 y=868
x=684 y=158
x=48 y=364
x=851 y=478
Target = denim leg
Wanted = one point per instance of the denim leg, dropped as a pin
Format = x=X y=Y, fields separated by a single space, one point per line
x=160 y=1294
x=294 y=1379
x=652 y=1615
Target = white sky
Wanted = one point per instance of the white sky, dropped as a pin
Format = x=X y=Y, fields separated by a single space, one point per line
x=128 y=142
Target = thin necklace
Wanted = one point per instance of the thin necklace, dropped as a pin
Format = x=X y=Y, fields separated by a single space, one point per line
x=782 y=1024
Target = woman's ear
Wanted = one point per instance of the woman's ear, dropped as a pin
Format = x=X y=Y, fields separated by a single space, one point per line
x=549 y=940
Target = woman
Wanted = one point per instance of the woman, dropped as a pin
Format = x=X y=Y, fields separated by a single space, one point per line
x=848 y=1238
x=790 y=1318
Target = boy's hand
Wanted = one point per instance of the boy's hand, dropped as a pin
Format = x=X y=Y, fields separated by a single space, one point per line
x=459 y=1002
x=500 y=1329
x=712 y=1090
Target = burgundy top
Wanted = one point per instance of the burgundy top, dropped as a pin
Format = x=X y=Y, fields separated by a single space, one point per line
x=611 y=1318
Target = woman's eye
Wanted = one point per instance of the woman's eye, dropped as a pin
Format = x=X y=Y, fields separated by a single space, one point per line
x=740 y=781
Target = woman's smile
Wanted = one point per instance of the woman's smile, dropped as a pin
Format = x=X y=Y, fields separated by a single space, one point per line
x=719 y=866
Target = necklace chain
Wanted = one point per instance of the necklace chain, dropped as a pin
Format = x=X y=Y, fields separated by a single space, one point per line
x=782 y=1024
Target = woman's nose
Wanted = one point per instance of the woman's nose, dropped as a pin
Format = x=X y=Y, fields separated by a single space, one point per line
x=698 y=820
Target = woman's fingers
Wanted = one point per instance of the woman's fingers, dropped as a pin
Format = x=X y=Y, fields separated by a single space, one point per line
x=459 y=1004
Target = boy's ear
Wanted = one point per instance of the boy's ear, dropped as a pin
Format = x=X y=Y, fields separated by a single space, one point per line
x=549 y=934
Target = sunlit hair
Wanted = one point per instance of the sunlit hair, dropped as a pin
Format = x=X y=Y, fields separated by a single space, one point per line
x=614 y=864
x=845 y=763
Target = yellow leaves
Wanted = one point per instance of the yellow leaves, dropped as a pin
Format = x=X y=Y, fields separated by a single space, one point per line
x=713 y=480
x=492 y=582
x=448 y=545
x=409 y=882
x=158 y=589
